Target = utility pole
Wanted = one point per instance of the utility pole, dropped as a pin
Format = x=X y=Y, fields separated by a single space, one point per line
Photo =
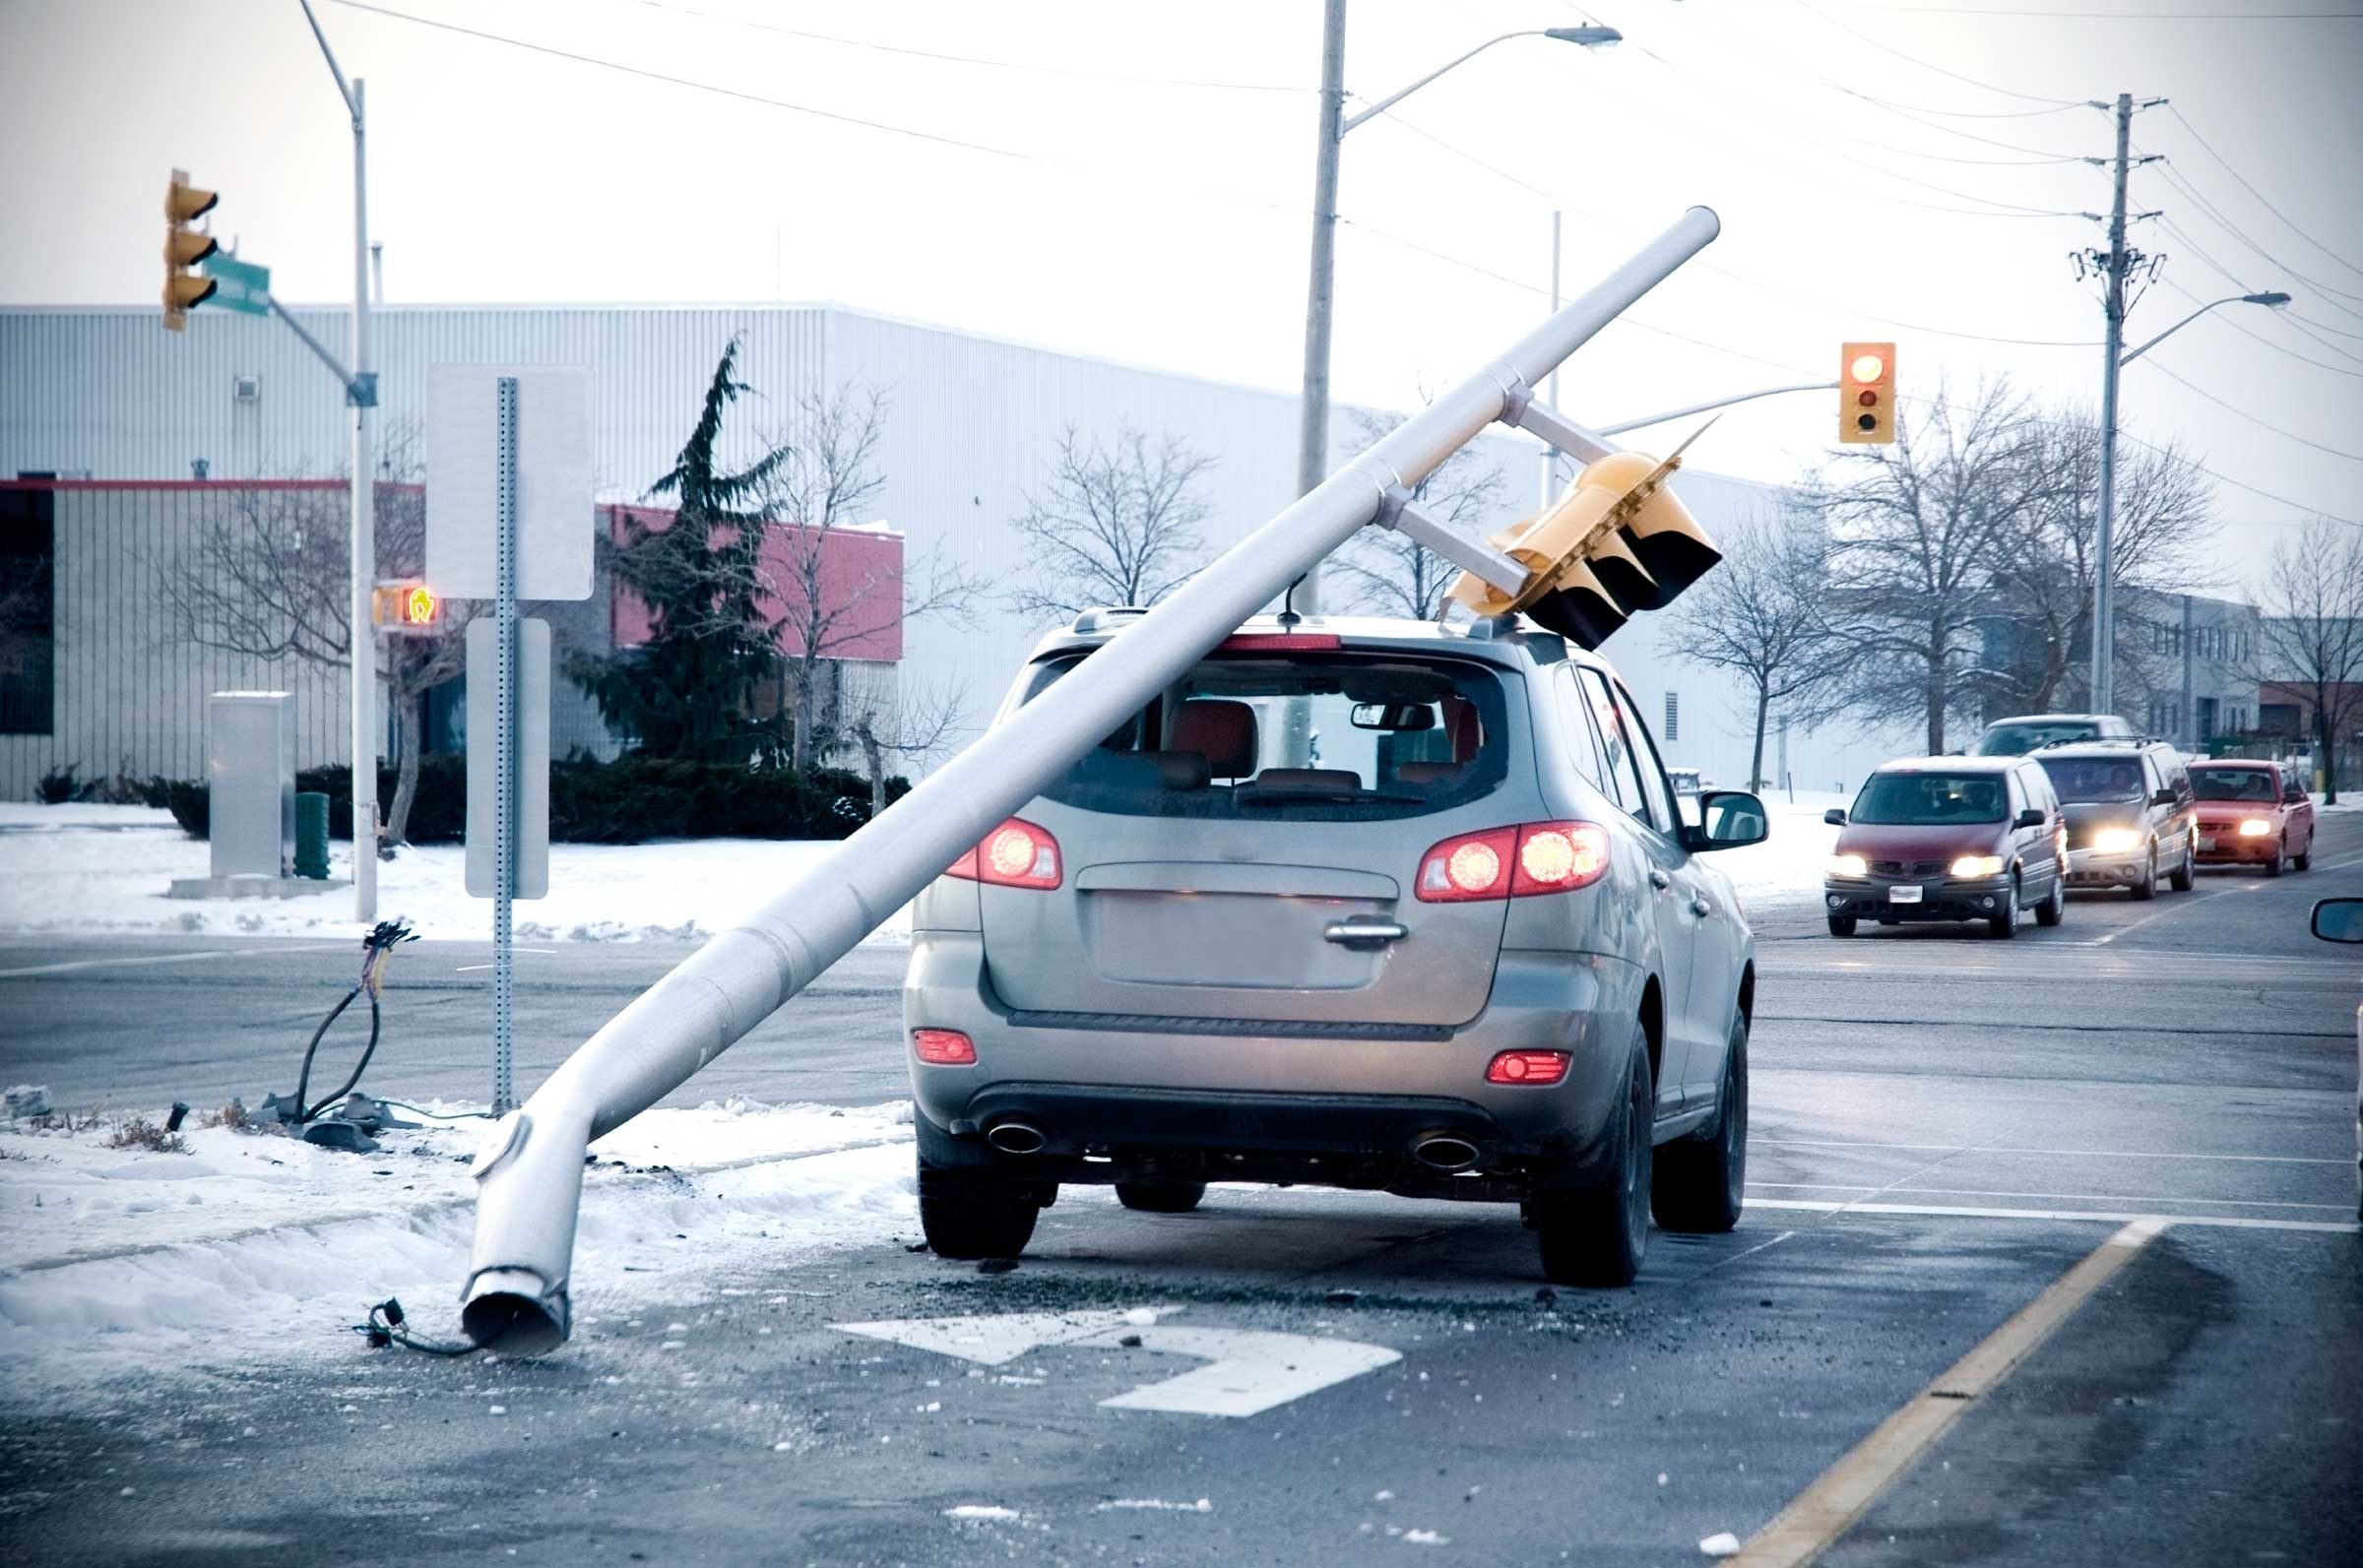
x=1313 y=433
x=2113 y=266
x=362 y=393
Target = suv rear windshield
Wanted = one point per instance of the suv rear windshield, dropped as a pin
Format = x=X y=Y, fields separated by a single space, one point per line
x=1927 y=799
x=2081 y=781
x=2234 y=784
x=2016 y=740
x=1388 y=737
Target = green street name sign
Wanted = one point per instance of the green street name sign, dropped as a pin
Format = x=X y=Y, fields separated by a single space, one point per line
x=240 y=285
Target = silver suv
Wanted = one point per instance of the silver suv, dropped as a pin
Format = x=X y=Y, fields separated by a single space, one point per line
x=1376 y=904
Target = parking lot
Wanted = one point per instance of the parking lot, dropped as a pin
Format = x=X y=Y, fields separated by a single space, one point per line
x=2140 y=1123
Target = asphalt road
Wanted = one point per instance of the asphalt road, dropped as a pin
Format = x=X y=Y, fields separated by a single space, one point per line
x=1951 y=1137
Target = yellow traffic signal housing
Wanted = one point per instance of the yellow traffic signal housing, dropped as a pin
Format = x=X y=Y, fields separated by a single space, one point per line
x=184 y=248
x=1617 y=544
x=1867 y=394
x=406 y=609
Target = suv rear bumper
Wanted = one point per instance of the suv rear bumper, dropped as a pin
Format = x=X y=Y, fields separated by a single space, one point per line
x=1114 y=1098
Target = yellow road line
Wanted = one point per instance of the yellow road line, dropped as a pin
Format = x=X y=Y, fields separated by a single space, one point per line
x=1814 y=1519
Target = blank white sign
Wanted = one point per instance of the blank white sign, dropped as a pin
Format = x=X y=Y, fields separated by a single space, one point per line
x=554 y=480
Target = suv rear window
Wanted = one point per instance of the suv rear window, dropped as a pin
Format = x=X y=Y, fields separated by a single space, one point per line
x=1390 y=736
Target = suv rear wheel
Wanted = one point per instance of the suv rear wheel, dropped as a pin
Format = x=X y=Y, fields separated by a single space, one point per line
x=1598 y=1236
x=1160 y=1196
x=967 y=1213
x=1698 y=1182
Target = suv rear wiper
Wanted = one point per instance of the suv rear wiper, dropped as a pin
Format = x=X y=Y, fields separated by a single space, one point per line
x=1261 y=796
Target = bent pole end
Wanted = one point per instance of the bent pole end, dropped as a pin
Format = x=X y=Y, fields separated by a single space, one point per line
x=529 y=1178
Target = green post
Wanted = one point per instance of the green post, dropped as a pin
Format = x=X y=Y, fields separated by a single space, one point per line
x=311 y=835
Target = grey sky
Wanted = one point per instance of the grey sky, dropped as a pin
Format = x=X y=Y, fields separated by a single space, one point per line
x=1162 y=221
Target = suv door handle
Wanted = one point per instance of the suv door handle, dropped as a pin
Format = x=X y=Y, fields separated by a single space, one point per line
x=1658 y=878
x=1351 y=932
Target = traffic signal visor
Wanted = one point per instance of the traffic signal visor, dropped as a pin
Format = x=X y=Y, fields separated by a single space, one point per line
x=1617 y=544
x=1867 y=394
x=184 y=248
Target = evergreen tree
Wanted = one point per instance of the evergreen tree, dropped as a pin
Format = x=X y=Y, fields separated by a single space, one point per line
x=689 y=691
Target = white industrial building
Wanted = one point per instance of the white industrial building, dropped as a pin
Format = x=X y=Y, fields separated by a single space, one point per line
x=973 y=425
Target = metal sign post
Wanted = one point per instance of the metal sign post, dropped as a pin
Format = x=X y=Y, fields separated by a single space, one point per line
x=504 y=798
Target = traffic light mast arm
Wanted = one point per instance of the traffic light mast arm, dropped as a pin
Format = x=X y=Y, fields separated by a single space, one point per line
x=1521 y=411
x=1719 y=403
x=359 y=390
x=1396 y=510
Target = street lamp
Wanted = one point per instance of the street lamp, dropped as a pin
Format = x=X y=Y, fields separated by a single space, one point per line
x=1312 y=449
x=2104 y=673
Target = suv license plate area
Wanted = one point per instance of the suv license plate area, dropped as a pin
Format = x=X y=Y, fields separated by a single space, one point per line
x=1903 y=895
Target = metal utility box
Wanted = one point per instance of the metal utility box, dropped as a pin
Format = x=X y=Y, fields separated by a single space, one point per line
x=250 y=763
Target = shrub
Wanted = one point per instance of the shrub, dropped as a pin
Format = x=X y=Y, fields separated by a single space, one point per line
x=140 y=1133
x=58 y=785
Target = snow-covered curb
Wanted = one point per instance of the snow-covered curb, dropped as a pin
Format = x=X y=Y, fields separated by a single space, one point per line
x=125 y=1260
x=80 y=868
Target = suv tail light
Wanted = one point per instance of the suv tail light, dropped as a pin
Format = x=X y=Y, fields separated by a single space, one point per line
x=1527 y=1067
x=945 y=1048
x=1513 y=862
x=1015 y=855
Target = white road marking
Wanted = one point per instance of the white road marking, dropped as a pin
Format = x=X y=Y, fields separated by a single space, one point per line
x=2074 y=1153
x=1964 y=1211
x=1250 y=1372
x=139 y=962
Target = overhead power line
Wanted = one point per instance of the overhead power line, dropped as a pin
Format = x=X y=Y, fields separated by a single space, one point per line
x=2264 y=424
x=2245 y=184
x=1888 y=48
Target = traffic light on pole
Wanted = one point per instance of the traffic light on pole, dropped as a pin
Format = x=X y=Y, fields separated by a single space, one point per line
x=184 y=248
x=1617 y=544
x=1867 y=394
x=405 y=608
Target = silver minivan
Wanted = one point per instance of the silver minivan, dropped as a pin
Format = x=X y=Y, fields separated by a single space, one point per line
x=1374 y=905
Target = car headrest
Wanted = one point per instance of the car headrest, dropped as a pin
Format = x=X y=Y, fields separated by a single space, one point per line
x=1180 y=770
x=1345 y=780
x=1220 y=731
x=1428 y=773
x=1463 y=725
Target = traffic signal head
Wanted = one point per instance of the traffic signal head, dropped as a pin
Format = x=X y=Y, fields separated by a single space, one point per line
x=1867 y=394
x=1617 y=543
x=184 y=248
x=406 y=609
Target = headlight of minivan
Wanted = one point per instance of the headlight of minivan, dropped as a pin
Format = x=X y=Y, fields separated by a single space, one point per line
x=2116 y=840
x=1977 y=865
x=1850 y=865
x=2255 y=828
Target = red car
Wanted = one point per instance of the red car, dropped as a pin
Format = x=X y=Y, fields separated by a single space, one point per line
x=2253 y=813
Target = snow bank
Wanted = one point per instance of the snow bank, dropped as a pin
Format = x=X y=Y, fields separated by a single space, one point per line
x=1789 y=863
x=125 y=1260
x=105 y=868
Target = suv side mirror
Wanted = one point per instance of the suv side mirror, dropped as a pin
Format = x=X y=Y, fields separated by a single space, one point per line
x=1835 y=817
x=2338 y=920
x=2031 y=817
x=2165 y=797
x=1727 y=819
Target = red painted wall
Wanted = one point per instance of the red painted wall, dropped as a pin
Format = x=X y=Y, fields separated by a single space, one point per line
x=861 y=578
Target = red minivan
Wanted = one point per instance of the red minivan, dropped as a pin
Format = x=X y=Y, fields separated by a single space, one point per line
x=2253 y=813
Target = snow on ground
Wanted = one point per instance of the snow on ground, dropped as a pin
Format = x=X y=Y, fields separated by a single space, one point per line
x=1788 y=865
x=105 y=868
x=121 y=1261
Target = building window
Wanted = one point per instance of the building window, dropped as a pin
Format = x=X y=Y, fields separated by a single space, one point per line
x=27 y=611
x=1673 y=716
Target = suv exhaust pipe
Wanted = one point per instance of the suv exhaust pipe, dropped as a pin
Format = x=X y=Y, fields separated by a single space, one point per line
x=530 y=1176
x=1016 y=1138
x=1445 y=1152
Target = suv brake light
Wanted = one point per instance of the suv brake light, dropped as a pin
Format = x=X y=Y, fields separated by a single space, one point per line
x=1015 y=855
x=1513 y=862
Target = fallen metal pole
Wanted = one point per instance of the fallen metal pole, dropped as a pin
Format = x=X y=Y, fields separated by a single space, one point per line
x=530 y=1172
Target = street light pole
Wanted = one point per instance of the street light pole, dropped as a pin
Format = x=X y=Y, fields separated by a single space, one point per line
x=361 y=634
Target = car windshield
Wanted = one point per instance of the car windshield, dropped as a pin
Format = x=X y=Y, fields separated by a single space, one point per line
x=2016 y=740
x=2085 y=779
x=1386 y=736
x=1928 y=799
x=2234 y=784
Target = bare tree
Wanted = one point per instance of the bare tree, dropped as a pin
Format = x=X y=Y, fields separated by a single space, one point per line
x=1918 y=533
x=1117 y=524
x=2163 y=513
x=2309 y=638
x=919 y=728
x=267 y=578
x=1387 y=573
x=1759 y=616
x=828 y=606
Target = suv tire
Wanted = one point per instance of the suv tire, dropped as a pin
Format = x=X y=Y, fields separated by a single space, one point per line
x=2185 y=876
x=1841 y=925
x=2054 y=910
x=969 y=1213
x=1597 y=1237
x=1160 y=1196
x=1698 y=1183
x=2005 y=924
x=2148 y=888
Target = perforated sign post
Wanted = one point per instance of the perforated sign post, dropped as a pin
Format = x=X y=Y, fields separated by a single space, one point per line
x=508 y=516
